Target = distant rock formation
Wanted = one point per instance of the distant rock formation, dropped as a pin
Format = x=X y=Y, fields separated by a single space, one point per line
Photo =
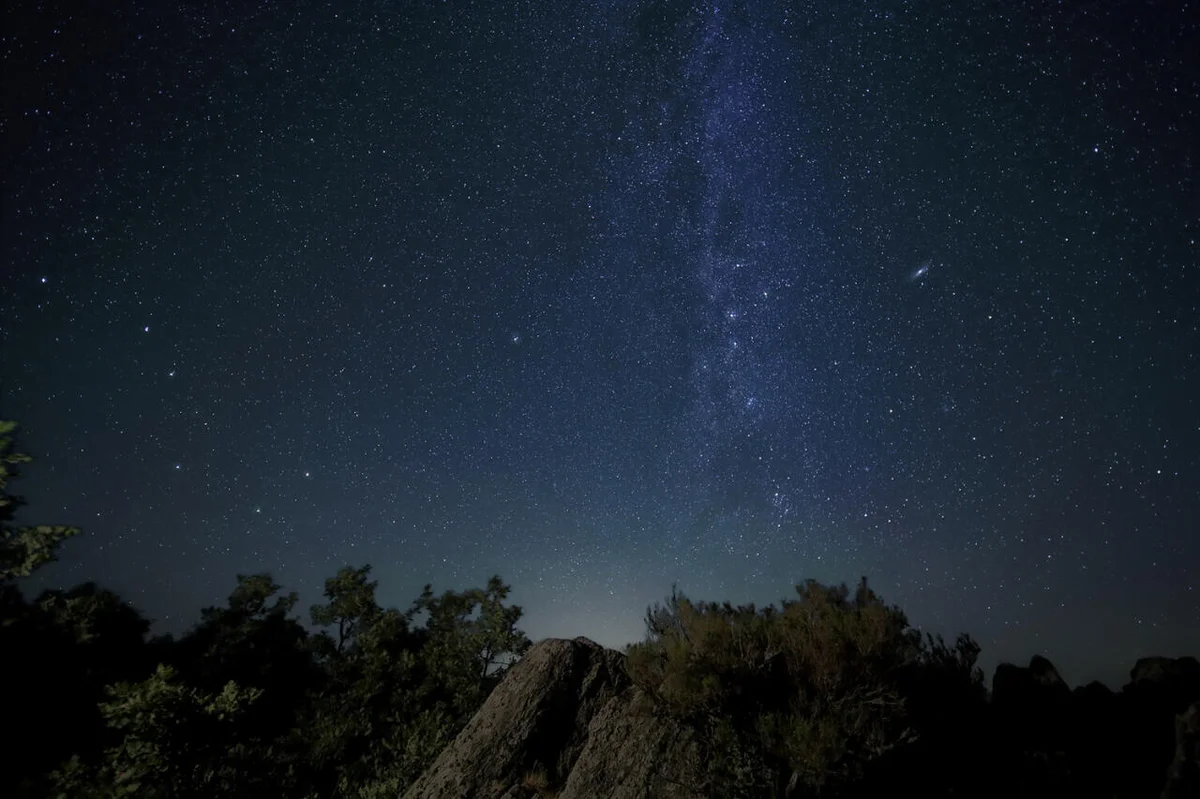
x=556 y=726
x=1171 y=683
x=1036 y=683
x=1030 y=709
x=1092 y=740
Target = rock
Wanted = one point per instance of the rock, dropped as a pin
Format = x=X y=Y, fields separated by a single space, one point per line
x=1095 y=691
x=1183 y=777
x=1173 y=682
x=1164 y=670
x=566 y=722
x=1044 y=675
x=633 y=753
x=1034 y=686
x=1030 y=708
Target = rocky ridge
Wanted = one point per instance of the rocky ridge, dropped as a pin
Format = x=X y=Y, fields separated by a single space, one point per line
x=556 y=726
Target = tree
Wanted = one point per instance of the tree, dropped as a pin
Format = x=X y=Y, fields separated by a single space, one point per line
x=254 y=642
x=397 y=692
x=376 y=724
x=247 y=703
x=172 y=740
x=44 y=674
x=84 y=640
x=351 y=606
x=473 y=638
x=97 y=616
x=22 y=548
x=499 y=640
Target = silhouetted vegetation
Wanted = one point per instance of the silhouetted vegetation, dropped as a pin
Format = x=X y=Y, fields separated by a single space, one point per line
x=833 y=695
x=805 y=699
x=248 y=702
x=830 y=694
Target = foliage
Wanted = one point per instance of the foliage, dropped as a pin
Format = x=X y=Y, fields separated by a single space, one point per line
x=254 y=642
x=803 y=697
x=22 y=548
x=398 y=693
x=58 y=652
x=172 y=741
x=351 y=607
x=830 y=694
x=247 y=702
x=946 y=701
x=472 y=639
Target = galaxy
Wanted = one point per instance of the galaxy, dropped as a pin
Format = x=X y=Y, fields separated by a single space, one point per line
x=605 y=297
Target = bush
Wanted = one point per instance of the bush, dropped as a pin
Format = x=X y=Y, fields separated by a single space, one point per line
x=803 y=698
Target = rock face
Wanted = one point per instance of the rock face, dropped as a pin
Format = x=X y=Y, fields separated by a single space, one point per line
x=565 y=722
x=1183 y=778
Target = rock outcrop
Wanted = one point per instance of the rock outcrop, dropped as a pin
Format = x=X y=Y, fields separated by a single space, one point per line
x=565 y=722
x=1181 y=672
x=1036 y=684
x=1183 y=778
x=1171 y=684
x=1030 y=708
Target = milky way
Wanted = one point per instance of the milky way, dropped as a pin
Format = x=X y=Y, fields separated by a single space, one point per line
x=612 y=297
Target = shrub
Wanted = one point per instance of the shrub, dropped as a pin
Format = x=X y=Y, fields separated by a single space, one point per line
x=800 y=698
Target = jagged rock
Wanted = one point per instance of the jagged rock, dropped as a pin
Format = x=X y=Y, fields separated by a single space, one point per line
x=565 y=722
x=1183 y=778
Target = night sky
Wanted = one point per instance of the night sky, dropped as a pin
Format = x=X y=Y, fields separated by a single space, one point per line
x=606 y=296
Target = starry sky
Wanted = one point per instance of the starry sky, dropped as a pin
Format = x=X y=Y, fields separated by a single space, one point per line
x=607 y=296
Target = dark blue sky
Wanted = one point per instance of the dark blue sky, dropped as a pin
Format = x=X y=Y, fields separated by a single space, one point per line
x=607 y=296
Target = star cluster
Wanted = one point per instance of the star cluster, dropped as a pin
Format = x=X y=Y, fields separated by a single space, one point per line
x=603 y=297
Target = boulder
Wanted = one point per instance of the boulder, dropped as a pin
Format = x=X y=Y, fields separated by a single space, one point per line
x=566 y=722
